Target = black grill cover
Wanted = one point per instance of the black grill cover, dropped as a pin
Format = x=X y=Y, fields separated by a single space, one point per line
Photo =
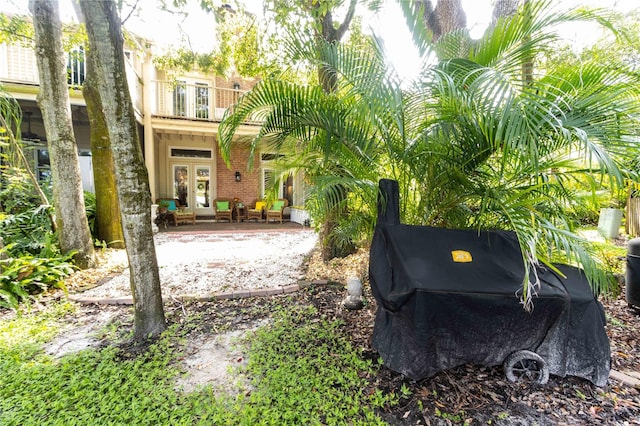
x=450 y=297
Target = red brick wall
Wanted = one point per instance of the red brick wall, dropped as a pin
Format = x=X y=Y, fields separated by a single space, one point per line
x=227 y=98
x=227 y=83
x=249 y=186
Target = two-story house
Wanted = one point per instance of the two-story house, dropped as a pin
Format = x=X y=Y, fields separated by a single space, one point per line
x=178 y=117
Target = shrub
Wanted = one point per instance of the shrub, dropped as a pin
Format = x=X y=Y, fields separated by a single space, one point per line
x=17 y=191
x=90 y=209
x=28 y=275
x=29 y=232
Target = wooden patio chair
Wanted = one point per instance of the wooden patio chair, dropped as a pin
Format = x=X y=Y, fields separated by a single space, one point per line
x=175 y=212
x=275 y=209
x=256 y=211
x=223 y=209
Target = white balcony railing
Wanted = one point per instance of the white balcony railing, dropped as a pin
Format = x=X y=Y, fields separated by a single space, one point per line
x=18 y=65
x=197 y=101
x=171 y=99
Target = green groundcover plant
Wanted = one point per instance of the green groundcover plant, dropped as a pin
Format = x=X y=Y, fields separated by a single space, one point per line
x=302 y=372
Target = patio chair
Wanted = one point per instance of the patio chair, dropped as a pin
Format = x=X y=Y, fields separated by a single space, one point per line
x=275 y=209
x=224 y=209
x=175 y=212
x=257 y=211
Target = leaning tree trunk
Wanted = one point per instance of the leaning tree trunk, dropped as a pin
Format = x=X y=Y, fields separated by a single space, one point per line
x=53 y=100
x=108 y=223
x=105 y=39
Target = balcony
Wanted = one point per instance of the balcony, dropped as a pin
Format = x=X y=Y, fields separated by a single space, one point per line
x=19 y=71
x=192 y=101
x=178 y=99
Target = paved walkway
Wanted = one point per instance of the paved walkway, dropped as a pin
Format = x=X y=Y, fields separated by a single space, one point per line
x=212 y=226
x=218 y=258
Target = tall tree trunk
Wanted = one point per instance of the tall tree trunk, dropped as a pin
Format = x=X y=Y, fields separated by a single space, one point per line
x=332 y=34
x=447 y=16
x=329 y=81
x=53 y=100
x=106 y=40
x=108 y=223
x=504 y=8
x=508 y=8
x=527 y=61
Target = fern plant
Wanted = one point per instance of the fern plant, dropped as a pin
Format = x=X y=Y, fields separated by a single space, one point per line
x=21 y=277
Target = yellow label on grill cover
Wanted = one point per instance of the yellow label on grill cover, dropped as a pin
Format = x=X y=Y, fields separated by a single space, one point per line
x=461 y=256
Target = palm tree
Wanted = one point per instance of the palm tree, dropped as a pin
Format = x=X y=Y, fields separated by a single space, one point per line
x=474 y=143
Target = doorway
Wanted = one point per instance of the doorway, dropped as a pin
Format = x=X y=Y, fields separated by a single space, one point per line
x=191 y=183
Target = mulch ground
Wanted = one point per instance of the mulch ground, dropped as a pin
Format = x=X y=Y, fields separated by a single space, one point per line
x=467 y=395
x=477 y=395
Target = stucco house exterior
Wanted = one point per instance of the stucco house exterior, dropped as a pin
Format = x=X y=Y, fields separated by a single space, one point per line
x=178 y=116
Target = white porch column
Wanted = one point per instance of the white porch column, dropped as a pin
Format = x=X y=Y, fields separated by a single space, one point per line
x=147 y=111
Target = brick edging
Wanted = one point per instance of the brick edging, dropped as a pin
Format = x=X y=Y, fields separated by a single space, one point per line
x=224 y=295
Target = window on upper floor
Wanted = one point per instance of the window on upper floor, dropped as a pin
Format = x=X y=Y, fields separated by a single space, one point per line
x=76 y=67
x=202 y=100
x=180 y=99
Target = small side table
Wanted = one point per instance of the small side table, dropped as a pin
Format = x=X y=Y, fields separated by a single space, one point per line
x=241 y=212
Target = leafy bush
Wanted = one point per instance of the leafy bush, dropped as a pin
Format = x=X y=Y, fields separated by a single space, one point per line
x=17 y=191
x=90 y=209
x=29 y=233
x=27 y=275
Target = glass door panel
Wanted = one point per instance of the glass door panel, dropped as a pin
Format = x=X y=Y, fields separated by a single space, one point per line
x=180 y=99
x=181 y=184
x=191 y=184
x=202 y=100
x=203 y=185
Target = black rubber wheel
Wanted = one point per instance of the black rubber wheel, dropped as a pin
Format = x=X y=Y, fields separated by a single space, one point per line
x=526 y=366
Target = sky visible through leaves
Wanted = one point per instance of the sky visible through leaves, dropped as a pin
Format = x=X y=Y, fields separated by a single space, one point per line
x=198 y=31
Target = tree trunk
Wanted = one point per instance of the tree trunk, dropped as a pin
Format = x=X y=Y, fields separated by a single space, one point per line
x=108 y=223
x=105 y=39
x=507 y=8
x=447 y=16
x=527 y=61
x=329 y=82
x=632 y=224
x=332 y=34
x=504 y=8
x=53 y=100
x=3 y=253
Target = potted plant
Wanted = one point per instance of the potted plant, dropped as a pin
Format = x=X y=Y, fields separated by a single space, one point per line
x=163 y=206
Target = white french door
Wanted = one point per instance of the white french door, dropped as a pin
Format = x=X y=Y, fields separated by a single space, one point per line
x=191 y=183
x=191 y=99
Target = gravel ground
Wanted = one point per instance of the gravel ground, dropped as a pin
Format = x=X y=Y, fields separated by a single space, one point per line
x=202 y=264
